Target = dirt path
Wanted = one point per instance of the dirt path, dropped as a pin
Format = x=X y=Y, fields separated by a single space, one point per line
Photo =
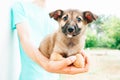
x=105 y=65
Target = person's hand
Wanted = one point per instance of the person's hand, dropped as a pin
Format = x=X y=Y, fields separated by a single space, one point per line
x=64 y=67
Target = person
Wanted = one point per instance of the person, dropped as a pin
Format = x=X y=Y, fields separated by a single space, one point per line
x=32 y=22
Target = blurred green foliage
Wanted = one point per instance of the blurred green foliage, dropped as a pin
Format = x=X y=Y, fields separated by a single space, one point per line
x=104 y=33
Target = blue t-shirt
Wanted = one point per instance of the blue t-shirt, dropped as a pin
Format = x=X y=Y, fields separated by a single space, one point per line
x=40 y=26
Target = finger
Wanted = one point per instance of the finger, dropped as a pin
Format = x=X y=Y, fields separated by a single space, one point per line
x=75 y=70
x=87 y=62
x=83 y=53
x=63 y=63
x=68 y=61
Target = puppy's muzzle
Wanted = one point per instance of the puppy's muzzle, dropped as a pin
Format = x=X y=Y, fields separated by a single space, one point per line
x=71 y=29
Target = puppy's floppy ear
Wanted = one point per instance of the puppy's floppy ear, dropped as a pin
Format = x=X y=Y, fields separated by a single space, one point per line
x=89 y=16
x=56 y=14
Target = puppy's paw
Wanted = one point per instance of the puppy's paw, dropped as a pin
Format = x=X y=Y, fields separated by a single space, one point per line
x=80 y=62
x=56 y=57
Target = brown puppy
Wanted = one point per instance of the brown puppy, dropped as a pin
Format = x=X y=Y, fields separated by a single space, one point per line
x=70 y=37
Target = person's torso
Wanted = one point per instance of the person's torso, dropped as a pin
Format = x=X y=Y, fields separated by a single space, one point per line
x=39 y=28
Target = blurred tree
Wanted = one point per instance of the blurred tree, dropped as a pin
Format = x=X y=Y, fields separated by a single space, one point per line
x=111 y=29
x=106 y=31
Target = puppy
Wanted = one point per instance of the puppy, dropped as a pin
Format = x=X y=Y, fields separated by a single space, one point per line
x=69 y=39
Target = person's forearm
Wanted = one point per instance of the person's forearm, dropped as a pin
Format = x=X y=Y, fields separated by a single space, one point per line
x=23 y=31
x=33 y=52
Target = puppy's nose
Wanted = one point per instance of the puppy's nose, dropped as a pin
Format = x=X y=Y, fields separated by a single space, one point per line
x=70 y=29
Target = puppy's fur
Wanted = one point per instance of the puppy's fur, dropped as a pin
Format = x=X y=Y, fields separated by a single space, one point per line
x=69 y=39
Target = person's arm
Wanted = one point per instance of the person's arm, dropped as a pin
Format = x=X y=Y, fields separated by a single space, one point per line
x=35 y=54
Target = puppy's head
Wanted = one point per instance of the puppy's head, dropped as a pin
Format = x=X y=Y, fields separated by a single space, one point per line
x=73 y=22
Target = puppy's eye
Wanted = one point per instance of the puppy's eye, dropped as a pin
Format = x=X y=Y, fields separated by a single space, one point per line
x=65 y=18
x=78 y=19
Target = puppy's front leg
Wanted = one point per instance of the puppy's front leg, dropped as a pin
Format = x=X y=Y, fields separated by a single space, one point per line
x=80 y=62
x=55 y=56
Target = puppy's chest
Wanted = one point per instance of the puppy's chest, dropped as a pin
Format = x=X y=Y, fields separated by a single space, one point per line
x=70 y=44
x=70 y=49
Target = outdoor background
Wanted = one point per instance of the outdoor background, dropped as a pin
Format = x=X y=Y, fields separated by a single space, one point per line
x=102 y=41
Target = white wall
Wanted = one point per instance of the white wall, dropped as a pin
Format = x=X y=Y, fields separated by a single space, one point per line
x=9 y=54
x=108 y=7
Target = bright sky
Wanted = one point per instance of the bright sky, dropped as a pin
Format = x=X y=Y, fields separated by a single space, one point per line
x=108 y=7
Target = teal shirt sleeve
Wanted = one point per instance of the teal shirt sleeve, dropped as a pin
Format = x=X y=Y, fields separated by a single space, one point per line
x=17 y=15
